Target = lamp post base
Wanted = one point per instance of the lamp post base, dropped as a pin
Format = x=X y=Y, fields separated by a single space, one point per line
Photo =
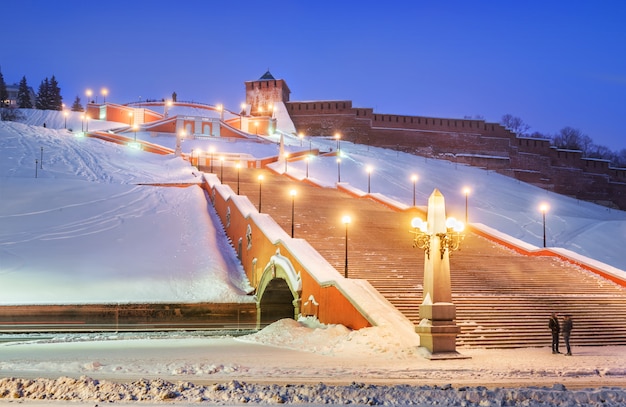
x=438 y=331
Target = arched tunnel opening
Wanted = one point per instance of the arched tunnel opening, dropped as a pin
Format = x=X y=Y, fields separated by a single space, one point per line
x=276 y=303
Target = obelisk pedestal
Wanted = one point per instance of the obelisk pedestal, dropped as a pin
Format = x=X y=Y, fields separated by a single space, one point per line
x=437 y=328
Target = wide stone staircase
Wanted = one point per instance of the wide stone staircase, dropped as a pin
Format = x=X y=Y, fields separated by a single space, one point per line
x=503 y=299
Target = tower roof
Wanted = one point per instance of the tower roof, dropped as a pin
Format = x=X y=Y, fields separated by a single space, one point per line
x=267 y=76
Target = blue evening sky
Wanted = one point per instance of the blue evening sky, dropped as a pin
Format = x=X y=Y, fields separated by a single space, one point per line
x=552 y=63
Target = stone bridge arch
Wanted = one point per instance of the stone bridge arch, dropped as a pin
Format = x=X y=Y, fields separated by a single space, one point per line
x=278 y=292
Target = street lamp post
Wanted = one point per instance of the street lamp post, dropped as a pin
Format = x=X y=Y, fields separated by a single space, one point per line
x=306 y=159
x=104 y=92
x=338 y=137
x=300 y=136
x=88 y=93
x=82 y=122
x=212 y=151
x=260 y=183
x=238 y=170
x=241 y=112
x=65 y=115
x=369 y=178
x=544 y=208
x=346 y=221
x=293 y=206
x=222 y=169
x=466 y=191
x=338 y=169
x=414 y=179
x=192 y=150
x=41 y=160
x=130 y=118
x=179 y=136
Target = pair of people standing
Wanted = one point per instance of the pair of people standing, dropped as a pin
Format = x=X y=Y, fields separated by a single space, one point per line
x=555 y=327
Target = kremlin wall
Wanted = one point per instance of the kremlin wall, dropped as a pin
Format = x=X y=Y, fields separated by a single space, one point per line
x=473 y=142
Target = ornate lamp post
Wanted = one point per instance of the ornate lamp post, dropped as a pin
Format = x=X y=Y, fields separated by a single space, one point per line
x=346 y=221
x=543 y=208
x=437 y=237
x=104 y=92
x=212 y=151
x=65 y=116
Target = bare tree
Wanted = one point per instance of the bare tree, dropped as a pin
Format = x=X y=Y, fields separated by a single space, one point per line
x=569 y=138
x=620 y=158
x=515 y=124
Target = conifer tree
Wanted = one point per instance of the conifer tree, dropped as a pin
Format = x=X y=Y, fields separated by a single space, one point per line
x=55 y=99
x=23 y=95
x=4 y=94
x=77 y=106
x=43 y=93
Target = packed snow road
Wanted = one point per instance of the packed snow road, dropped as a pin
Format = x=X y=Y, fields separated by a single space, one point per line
x=289 y=362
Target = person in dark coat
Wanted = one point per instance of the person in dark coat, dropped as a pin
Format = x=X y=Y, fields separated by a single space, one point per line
x=567 y=330
x=555 y=327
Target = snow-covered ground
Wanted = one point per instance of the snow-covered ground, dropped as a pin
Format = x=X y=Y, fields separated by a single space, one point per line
x=83 y=225
x=300 y=363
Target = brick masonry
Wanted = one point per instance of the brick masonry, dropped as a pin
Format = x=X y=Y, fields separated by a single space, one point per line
x=474 y=142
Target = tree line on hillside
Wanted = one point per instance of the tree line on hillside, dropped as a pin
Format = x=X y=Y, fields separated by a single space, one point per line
x=48 y=97
x=567 y=138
